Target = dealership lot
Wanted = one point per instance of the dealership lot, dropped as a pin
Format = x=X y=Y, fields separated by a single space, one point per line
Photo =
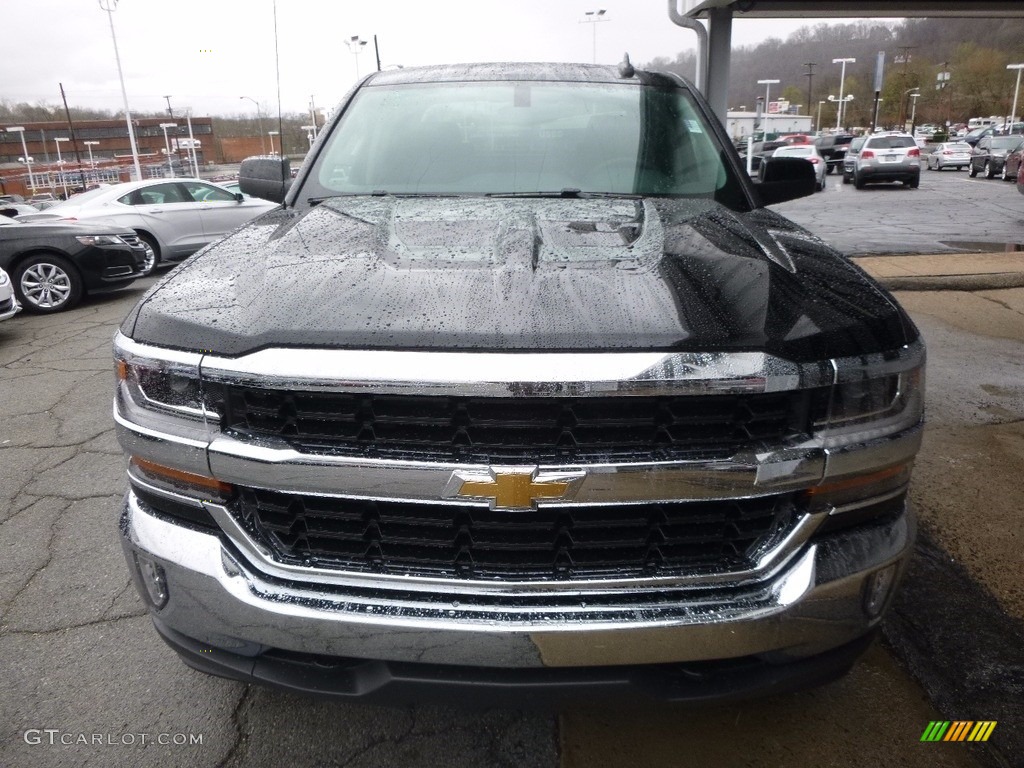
x=89 y=682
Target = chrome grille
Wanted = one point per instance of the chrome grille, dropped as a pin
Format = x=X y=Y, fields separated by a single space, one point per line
x=534 y=429
x=551 y=543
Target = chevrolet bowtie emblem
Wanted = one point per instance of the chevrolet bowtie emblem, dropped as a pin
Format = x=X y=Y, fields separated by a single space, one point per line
x=513 y=488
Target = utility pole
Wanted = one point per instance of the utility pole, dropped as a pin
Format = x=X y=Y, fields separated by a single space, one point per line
x=809 y=74
x=74 y=141
x=376 y=50
x=903 y=57
x=170 y=113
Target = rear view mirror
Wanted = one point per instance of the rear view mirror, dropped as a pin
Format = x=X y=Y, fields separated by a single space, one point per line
x=265 y=177
x=784 y=178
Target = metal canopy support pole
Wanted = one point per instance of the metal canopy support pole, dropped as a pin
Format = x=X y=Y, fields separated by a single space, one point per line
x=719 y=46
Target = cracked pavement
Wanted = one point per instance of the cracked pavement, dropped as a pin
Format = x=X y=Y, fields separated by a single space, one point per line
x=80 y=655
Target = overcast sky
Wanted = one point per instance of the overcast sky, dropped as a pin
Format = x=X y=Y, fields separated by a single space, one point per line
x=207 y=53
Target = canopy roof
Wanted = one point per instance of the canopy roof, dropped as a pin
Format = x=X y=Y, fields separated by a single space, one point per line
x=763 y=9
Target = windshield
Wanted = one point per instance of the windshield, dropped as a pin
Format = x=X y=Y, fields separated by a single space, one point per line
x=1005 y=142
x=524 y=137
x=82 y=197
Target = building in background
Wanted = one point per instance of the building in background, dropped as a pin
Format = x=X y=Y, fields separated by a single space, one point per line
x=106 y=158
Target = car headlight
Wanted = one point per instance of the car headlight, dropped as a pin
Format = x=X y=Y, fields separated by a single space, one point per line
x=154 y=382
x=100 y=240
x=873 y=407
x=870 y=430
x=4 y=279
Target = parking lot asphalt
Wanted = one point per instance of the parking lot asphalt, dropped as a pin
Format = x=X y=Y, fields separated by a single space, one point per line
x=81 y=660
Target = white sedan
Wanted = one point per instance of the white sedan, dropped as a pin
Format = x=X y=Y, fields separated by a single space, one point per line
x=174 y=218
x=808 y=152
x=9 y=305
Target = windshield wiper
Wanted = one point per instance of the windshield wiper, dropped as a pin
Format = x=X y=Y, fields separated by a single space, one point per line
x=568 y=192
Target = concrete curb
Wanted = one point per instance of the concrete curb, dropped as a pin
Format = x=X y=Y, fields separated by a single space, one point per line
x=989 y=271
x=982 y=282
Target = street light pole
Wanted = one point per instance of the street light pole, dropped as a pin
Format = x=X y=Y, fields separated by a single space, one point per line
x=192 y=143
x=356 y=45
x=60 y=165
x=109 y=6
x=167 y=144
x=89 y=145
x=913 y=110
x=767 y=88
x=842 y=81
x=310 y=133
x=1013 y=112
x=595 y=18
x=907 y=92
x=20 y=130
x=817 y=123
x=259 y=116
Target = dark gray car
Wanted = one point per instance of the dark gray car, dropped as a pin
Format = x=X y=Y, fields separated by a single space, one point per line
x=990 y=153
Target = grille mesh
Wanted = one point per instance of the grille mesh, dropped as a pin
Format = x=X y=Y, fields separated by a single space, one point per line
x=462 y=541
x=536 y=429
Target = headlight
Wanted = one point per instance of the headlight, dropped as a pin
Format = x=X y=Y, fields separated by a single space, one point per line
x=100 y=240
x=166 y=384
x=873 y=398
x=162 y=385
x=4 y=279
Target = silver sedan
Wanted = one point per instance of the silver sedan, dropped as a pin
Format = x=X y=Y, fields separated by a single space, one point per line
x=174 y=218
x=954 y=154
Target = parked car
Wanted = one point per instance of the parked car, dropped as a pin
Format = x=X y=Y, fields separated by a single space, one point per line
x=809 y=153
x=990 y=153
x=952 y=154
x=53 y=264
x=522 y=391
x=11 y=210
x=9 y=305
x=974 y=136
x=852 y=150
x=833 y=148
x=884 y=157
x=174 y=218
x=759 y=151
x=1012 y=163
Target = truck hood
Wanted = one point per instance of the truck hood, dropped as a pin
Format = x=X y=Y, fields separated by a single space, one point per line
x=521 y=274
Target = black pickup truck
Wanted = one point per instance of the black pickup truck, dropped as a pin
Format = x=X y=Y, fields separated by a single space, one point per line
x=833 y=147
x=521 y=390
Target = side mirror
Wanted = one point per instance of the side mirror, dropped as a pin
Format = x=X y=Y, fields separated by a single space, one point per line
x=265 y=177
x=239 y=197
x=784 y=178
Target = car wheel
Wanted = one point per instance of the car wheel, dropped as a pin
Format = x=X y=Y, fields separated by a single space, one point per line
x=972 y=171
x=846 y=178
x=858 y=182
x=47 y=283
x=822 y=184
x=829 y=168
x=914 y=183
x=152 y=254
x=989 y=170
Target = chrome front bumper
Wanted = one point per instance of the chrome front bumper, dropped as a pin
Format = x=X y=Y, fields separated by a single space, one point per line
x=814 y=602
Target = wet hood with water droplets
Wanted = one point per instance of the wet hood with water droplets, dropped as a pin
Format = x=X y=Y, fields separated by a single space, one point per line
x=510 y=274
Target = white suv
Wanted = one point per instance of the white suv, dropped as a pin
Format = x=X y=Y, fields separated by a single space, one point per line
x=883 y=157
